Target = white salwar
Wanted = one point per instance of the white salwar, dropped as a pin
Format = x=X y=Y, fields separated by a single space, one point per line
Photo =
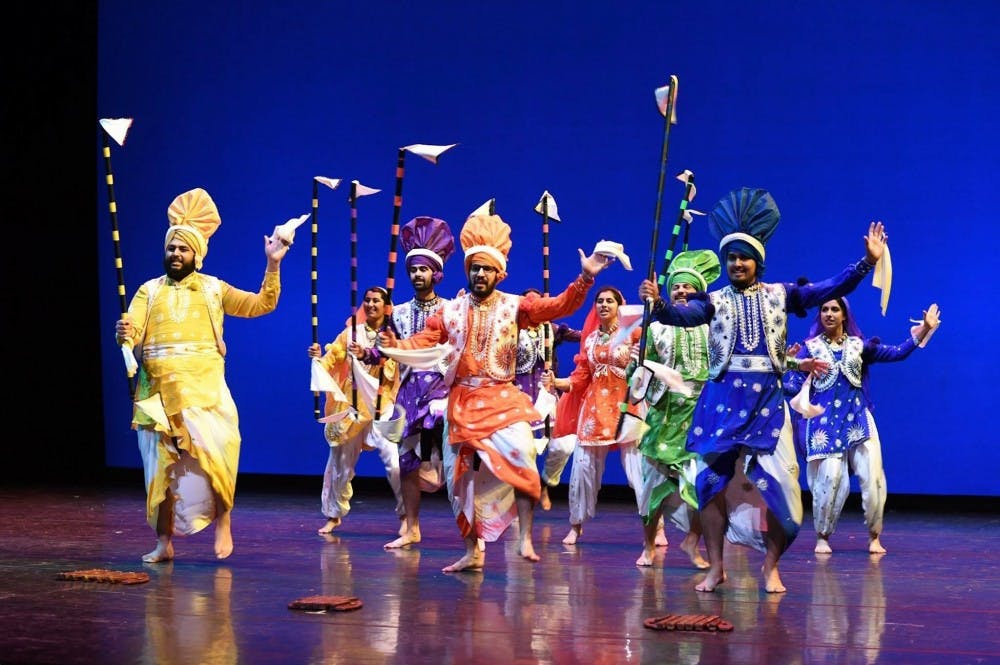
x=829 y=481
x=587 y=472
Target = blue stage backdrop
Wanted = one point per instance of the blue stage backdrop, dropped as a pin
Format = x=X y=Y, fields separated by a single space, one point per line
x=847 y=112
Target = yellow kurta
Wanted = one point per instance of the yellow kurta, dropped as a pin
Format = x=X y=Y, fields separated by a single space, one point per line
x=178 y=337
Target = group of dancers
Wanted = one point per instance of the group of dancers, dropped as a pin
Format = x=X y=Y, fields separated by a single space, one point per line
x=462 y=393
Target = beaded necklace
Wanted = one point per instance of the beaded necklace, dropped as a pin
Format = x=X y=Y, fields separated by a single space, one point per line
x=483 y=314
x=420 y=310
x=750 y=316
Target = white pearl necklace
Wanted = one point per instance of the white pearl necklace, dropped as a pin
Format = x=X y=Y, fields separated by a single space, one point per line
x=750 y=316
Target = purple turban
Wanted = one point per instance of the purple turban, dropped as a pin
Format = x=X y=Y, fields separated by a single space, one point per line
x=427 y=241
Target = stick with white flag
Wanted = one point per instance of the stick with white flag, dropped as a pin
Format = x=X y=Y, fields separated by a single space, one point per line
x=117 y=128
x=332 y=183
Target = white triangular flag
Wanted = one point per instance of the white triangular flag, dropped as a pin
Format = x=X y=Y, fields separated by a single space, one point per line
x=116 y=128
x=428 y=152
x=686 y=176
x=553 y=209
x=801 y=404
x=361 y=190
x=484 y=209
x=332 y=183
x=691 y=211
x=663 y=96
x=320 y=381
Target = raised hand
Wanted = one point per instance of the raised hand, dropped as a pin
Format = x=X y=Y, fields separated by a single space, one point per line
x=925 y=328
x=595 y=263
x=875 y=242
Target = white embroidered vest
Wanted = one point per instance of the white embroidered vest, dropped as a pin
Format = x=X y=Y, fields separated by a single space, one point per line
x=724 y=326
x=500 y=347
x=849 y=365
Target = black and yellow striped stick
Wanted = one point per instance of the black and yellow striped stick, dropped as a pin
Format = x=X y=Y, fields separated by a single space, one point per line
x=332 y=183
x=117 y=128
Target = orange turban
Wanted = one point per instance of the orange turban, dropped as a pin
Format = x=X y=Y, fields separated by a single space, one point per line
x=486 y=239
x=193 y=219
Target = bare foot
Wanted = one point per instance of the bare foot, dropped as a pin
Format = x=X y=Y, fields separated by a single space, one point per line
x=772 y=580
x=223 y=537
x=573 y=535
x=661 y=537
x=544 y=501
x=164 y=551
x=411 y=537
x=874 y=546
x=331 y=524
x=646 y=558
x=822 y=545
x=402 y=527
x=690 y=547
x=713 y=579
x=471 y=561
x=527 y=550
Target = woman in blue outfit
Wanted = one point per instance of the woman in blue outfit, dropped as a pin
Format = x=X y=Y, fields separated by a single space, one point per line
x=843 y=438
x=740 y=425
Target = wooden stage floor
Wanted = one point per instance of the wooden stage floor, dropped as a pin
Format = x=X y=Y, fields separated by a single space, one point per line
x=934 y=598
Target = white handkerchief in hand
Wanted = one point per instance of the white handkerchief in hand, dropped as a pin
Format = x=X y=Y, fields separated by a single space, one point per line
x=882 y=278
x=545 y=403
x=286 y=232
x=322 y=382
x=613 y=250
x=801 y=404
x=131 y=366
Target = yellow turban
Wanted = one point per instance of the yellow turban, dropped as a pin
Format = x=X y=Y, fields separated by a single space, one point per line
x=193 y=219
x=486 y=239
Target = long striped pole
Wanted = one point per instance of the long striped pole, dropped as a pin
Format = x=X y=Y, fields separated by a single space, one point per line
x=117 y=128
x=431 y=154
x=687 y=177
x=357 y=190
x=332 y=183
x=547 y=207
x=666 y=98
